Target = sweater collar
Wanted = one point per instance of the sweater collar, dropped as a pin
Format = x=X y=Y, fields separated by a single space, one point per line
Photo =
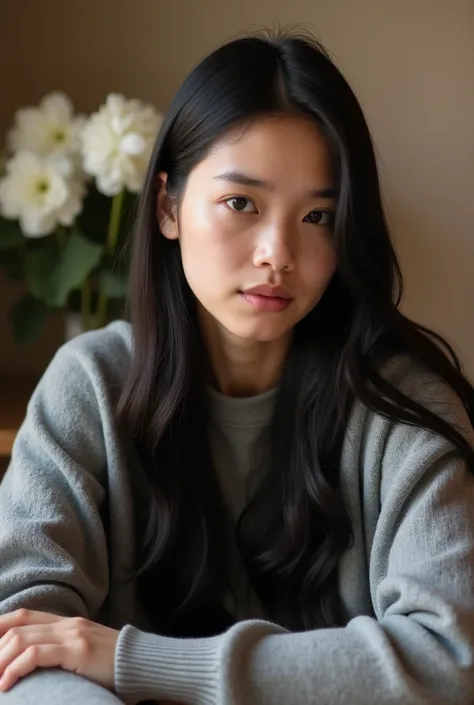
x=241 y=411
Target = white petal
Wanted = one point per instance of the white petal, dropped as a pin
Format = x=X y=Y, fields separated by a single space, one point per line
x=18 y=188
x=25 y=161
x=115 y=103
x=34 y=224
x=61 y=164
x=117 y=142
x=31 y=132
x=57 y=193
x=9 y=208
x=116 y=124
x=132 y=143
x=109 y=184
x=58 y=105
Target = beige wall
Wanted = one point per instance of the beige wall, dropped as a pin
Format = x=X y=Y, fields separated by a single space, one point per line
x=411 y=62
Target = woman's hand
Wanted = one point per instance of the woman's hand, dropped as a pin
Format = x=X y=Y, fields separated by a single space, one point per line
x=30 y=640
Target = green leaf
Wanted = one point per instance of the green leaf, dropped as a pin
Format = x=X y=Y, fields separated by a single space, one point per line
x=76 y=261
x=52 y=273
x=113 y=284
x=41 y=265
x=27 y=317
x=11 y=235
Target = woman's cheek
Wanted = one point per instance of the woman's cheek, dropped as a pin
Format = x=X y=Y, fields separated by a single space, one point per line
x=317 y=266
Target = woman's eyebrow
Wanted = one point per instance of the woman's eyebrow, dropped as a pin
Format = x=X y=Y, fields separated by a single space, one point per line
x=238 y=177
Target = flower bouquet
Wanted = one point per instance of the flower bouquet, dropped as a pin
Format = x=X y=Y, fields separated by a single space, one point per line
x=68 y=186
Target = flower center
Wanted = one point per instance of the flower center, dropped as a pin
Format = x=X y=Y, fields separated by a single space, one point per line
x=59 y=136
x=42 y=186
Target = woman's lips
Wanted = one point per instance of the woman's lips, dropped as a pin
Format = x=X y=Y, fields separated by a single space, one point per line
x=273 y=304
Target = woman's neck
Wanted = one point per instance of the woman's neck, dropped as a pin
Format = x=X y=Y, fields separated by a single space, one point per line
x=242 y=368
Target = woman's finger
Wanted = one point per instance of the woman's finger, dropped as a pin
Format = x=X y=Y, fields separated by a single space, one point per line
x=35 y=656
x=22 y=617
x=18 y=639
x=78 y=645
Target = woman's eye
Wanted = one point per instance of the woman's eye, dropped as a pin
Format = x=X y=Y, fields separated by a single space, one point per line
x=320 y=217
x=239 y=203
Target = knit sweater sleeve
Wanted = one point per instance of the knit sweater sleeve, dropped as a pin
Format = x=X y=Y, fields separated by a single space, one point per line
x=416 y=649
x=53 y=552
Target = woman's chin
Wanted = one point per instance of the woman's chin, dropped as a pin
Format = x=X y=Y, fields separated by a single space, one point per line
x=264 y=332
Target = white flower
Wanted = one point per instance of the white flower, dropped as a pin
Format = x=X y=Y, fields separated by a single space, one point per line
x=117 y=142
x=40 y=192
x=50 y=129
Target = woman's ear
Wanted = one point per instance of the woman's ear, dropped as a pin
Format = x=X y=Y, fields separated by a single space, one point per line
x=165 y=212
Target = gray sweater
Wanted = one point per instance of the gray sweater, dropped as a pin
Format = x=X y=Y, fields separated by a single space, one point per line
x=66 y=543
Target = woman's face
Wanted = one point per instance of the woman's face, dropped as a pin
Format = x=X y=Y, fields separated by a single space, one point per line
x=258 y=211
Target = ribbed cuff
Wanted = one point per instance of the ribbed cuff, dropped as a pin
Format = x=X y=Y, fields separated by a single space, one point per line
x=151 y=667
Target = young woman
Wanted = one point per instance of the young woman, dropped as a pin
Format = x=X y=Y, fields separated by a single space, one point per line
x=259 y=491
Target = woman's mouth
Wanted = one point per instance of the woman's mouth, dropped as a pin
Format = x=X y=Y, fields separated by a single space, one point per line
x=267 y=297
x=273 y=304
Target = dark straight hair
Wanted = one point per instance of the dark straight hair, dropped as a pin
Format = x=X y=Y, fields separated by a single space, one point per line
x=295 y=530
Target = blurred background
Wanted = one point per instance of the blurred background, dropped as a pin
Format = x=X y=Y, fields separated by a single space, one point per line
x=410 y=63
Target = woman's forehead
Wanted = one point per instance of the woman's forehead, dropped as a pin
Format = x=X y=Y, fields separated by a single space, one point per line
x=271 y=149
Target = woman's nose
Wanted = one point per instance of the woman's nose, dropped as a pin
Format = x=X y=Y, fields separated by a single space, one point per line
x=273 y=249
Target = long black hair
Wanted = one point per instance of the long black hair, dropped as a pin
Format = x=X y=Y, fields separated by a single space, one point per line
x=296 y=528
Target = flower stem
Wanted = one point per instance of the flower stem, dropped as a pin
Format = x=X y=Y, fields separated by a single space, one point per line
x=114 y=223
x=110 y=247
x=86 y=303
x=102 y=309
